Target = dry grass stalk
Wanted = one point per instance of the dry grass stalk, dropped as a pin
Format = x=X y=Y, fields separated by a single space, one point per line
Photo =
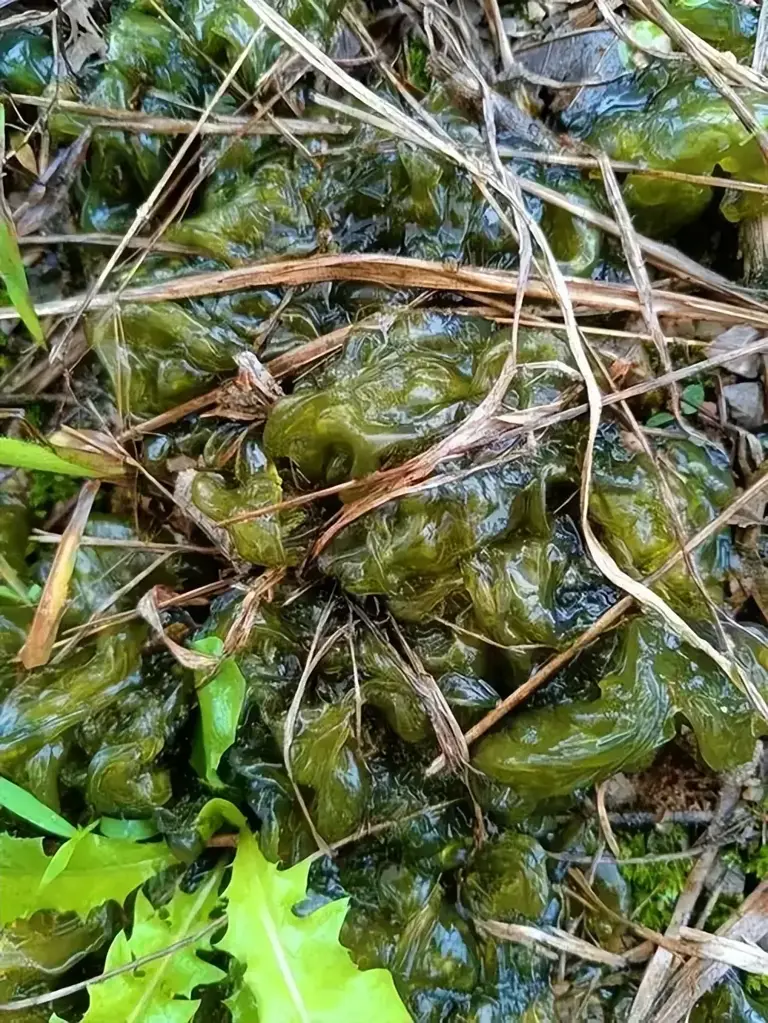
x=403 y=272
x=317 y=651
x=171 y=415
x=623 y=167
x=605 y=823
x=194 y=598
x=496 y=23
x=551 y=938
x=139 y=545
x=665 y=257
x=17 y=1005
x=148 y=609
x=42 y=632
x=698 y=50
x=658 y=969
x=748 y=924
x=110 y=240
x=260 y=591
x=449 y=736
x=98 y=613
x=312 y=351
x=182 y=497
x=617 y=397
x=640 y=278
x=130 y=121
x=639 y=273
x=753 y=232
x=382 y=827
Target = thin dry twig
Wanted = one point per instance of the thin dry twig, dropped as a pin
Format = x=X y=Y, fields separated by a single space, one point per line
x=605 y=823
x=660 y=964
x=748 y=923
x=624 y=167
x=317 y=651
x=403 y=272
x=139 y=545
x=551 y=937
x=382 y=827
x=219 y=124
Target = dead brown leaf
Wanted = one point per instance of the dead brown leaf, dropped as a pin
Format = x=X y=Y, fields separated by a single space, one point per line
x=42 y=633
x=85 y=40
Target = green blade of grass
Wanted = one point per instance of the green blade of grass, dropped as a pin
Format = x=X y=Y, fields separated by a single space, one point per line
x=17 y=800
x=15 y=280
x=12 y=269
x=22 y=454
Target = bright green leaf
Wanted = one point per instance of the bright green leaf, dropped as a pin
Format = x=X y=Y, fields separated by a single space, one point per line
x=214 y=814
x=99 y=869
x=25 y=805
x=242 y=1005
x=61 y=858
x=15 y=279
x=693 y=395
x=159 y=992
x=12 y=269
x=295 y=968
x=660 y=419
x=132 y=830
x=23 y=454
x=221 y=702
x=15 y=589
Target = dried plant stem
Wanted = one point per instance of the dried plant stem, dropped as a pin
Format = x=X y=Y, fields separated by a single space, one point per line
x=623 y=167
x=749 y=923
x=95 y=238
x=316 y=653
x=660 y=964
x=130 y=121
x=404 y=272
x=139 y=545
x=544 y=938
x=373 y=830
x=192 y=597
x=753 y=232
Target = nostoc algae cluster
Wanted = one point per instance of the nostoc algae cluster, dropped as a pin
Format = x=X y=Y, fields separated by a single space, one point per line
x=444 y=597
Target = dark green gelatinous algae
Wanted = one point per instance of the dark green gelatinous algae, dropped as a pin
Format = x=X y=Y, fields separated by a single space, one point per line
x=484 y=568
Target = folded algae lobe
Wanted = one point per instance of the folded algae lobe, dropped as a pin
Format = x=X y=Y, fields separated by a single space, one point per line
x=311 y=677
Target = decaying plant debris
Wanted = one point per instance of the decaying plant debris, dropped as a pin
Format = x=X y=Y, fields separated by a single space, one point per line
x=384 y=393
